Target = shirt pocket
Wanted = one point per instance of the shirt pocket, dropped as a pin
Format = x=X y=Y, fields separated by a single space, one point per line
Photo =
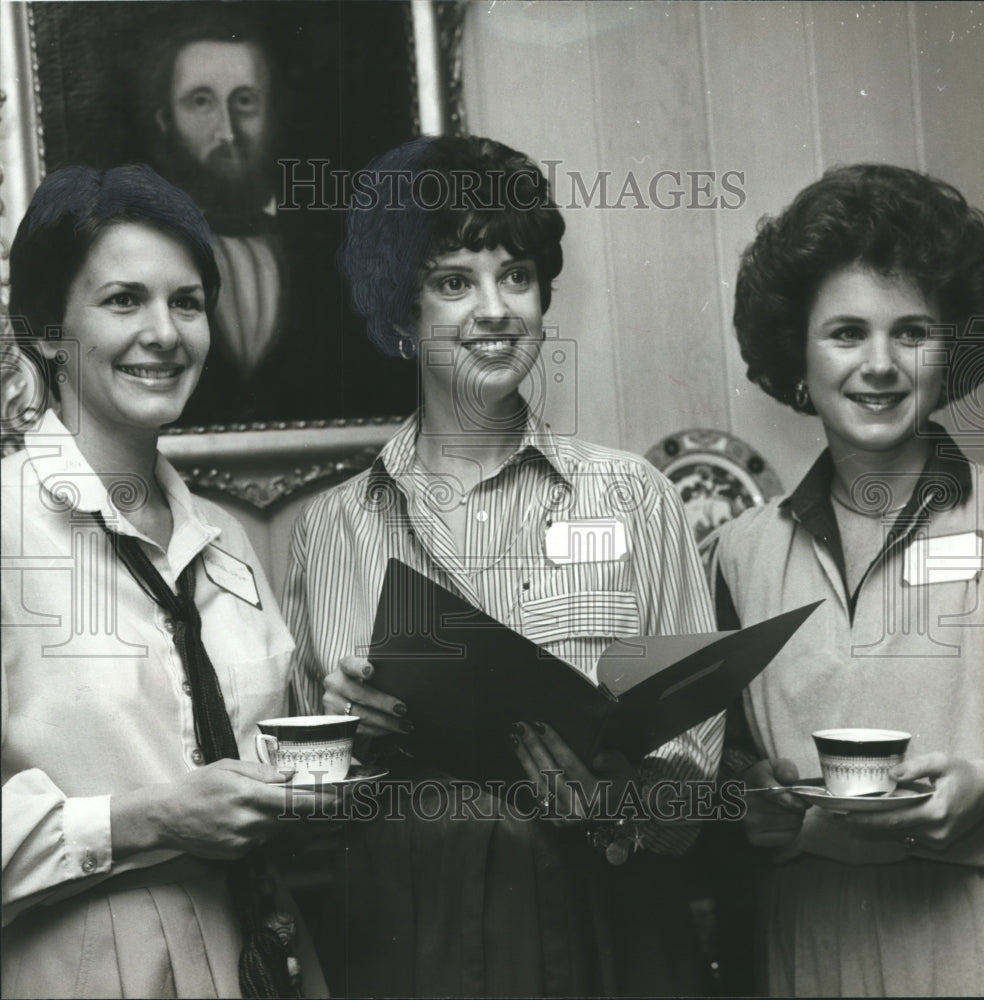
x=250 y=649
x=589 y=599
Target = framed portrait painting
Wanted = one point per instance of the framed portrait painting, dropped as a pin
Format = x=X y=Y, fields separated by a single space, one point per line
x=263 y=111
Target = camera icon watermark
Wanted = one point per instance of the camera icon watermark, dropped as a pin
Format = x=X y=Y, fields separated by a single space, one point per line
x=70 y=591
x=960 y=355
x=547 y=367
x=34 y=371
x=911 y=608
x=23 y=385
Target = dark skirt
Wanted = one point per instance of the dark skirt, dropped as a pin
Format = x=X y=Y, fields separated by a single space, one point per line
x=473 y=907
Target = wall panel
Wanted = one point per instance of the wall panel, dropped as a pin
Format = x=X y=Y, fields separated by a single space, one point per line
x=864 y=82
x=650 y=99
x=528 y=83
x=949 y=65
x=762 y=121
x=777 y=90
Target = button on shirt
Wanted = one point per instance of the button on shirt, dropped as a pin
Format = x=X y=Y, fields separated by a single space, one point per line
x=344 y=539
x=94 y=693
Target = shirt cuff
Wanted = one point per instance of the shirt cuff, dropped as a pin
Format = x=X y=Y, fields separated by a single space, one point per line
x=88 y=837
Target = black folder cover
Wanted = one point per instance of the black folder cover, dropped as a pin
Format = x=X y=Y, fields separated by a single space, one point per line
x=465 y=678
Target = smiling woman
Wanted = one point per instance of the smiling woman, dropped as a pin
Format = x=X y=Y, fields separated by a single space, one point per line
x=868 y=371
x=858 y=304
x=479 y=336
x=241 y=105
x=136 y=311
x=133 y=674
x=453 y=271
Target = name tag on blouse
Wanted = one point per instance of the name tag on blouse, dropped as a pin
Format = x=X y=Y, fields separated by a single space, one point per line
x=944 y=559
x=231 y=574
x=600 y=539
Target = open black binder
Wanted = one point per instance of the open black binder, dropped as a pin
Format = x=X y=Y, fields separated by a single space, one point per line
x=465 y=678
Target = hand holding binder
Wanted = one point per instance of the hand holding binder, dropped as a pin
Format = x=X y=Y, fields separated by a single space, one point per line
x=465 y=678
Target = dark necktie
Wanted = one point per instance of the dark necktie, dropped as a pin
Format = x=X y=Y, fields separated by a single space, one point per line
x=263 y=969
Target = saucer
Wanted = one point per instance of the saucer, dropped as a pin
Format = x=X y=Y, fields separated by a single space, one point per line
x=358 y=773
x=813 y=790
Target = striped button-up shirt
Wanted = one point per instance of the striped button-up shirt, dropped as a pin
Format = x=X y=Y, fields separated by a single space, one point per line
x=573 y=603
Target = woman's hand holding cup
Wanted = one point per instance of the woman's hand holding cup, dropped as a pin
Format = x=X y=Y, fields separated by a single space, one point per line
x=347 y=692
x=219 y=811
x=955 y=810
x=773 y=819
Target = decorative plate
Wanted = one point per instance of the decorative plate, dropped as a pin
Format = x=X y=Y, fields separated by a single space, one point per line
x=718 y=476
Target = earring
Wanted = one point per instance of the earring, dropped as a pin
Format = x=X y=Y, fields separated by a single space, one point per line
x=407 y=348
x=801 y=396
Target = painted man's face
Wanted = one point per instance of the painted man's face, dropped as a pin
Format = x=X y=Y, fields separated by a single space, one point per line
x=219 y=108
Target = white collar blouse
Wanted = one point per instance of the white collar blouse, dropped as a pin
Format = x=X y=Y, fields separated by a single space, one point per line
x=95 y=700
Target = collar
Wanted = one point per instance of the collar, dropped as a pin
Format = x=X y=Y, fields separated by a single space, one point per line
x=945 y=479
x=68 y=481
x=395 y=461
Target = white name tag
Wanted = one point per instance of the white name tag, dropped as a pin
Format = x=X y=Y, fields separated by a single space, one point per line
x=231 y=574
x=944 y=559
x=600 y=539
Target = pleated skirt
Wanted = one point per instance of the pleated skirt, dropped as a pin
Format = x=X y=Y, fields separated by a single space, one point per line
x=170 y=931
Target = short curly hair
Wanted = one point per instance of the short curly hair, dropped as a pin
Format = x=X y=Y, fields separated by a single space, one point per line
x=892 y=220
x=433 y=195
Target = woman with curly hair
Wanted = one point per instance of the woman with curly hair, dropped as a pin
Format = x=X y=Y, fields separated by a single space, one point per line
x=452 y=246
x=858 y=304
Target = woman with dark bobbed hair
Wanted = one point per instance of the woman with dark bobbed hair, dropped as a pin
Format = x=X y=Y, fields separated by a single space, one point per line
x=862 y=303
x=141 y=642
x=452 y=246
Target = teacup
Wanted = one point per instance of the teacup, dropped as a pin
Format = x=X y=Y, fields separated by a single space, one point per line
x=315 y=747
x=859 y=761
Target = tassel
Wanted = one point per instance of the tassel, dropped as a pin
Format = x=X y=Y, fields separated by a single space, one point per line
x=263 y=967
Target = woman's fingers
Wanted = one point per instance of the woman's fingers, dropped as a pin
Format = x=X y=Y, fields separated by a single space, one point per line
x=773 y=819
x=253 y=769
x=374 y=722
x=220 y=810
x=955 y=808
x=347 y=692
x=538 y=764
x=541 y=756
x=895 y=819
x=378 y=713
x=550 y=753
x=356 y=667
x=558 y=751
x=526 y=761
x=769 y=774
x=558 y=771
x=927 y=765
x=783 y=770
x=779 y=828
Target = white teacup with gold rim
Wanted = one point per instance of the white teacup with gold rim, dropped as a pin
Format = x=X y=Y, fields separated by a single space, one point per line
x=317 y=748
x=860 y=761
